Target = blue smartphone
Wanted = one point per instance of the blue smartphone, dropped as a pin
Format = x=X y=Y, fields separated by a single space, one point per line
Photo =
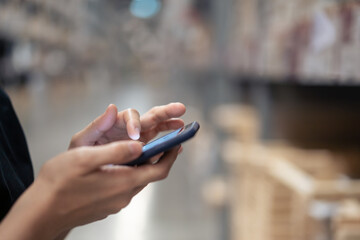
x=166 y=142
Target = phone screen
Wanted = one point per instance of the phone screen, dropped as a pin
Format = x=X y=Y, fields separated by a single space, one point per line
x=162 y=139
x=166 y=142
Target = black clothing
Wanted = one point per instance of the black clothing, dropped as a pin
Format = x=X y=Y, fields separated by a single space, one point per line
x=16 y=172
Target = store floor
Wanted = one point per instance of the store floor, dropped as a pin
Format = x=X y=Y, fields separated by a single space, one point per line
x=171 y=209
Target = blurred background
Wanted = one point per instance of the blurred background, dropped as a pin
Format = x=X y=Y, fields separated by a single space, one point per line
x=274 y=85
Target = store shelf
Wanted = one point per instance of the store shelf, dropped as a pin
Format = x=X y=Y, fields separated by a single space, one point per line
x=310 y=40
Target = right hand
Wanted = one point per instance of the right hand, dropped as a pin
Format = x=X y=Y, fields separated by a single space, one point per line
x=79 y=187
x=128 y=124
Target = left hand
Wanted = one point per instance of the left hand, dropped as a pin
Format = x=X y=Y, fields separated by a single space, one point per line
x=114 y=126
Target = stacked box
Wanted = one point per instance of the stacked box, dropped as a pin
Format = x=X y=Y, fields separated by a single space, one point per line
x=278 y=191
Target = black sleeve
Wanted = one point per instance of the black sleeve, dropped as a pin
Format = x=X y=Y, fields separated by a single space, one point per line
x=16 y=172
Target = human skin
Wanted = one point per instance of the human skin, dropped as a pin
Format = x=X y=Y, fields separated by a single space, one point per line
x=128 y=124
x=87 y=183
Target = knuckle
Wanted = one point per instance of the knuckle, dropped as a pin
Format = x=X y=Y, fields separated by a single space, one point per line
x=125 y=202
x=102 y=217
x=160 y=174
x=120 y=205
x=163 y=175
x=96 y=215
x=155 y=117
x=154 y=110
x=113 y=210
x=133 y=111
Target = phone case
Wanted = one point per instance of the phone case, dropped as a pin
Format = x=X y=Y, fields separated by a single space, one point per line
x=166 y=142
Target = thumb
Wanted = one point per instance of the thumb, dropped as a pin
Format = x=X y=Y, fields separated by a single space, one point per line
x=92 y=133
x=114 y=153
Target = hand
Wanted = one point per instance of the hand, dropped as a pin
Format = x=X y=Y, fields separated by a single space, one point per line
x=114 y=126
x=79 y=187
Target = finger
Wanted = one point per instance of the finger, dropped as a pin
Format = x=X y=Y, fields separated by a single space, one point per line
x=93 y=158
x=172 y=124
x=137 y=190
x=121 y=200
x=89 y=135
x=131 y=118
x=160 y=114
x=156 y=158
x=159 y=171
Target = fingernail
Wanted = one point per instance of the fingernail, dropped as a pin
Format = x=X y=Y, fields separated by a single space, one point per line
x=136 y=134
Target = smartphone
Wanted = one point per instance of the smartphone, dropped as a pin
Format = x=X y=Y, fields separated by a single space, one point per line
x=166 y=142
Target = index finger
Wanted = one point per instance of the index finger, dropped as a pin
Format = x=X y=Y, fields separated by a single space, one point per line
x=160 y=114
x=131 y=118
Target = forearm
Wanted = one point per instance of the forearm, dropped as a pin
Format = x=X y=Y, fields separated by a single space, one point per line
x=29 y=218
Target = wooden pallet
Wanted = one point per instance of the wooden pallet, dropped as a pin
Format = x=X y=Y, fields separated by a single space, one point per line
x=274 y=191
x=346 y=223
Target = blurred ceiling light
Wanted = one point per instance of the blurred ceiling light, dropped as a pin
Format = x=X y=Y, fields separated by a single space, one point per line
x=145 y=8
